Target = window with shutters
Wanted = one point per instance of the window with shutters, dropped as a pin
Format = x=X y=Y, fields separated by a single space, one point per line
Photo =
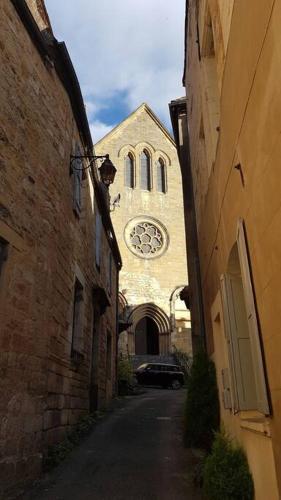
x=129 y=171
x=145 y=171
x=77 y=177
x=161 y=176
x=77 y=322
x=249 y=390
x=98 y=238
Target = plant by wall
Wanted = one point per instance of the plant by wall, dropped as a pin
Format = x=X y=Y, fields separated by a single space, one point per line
x=226 y=474
x=184 y=360
x=58 y=452
x=202 y=403
x=124 y=375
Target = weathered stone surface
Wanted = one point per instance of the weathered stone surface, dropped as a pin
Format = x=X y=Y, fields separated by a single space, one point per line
x=43 y=391
x=149 y=280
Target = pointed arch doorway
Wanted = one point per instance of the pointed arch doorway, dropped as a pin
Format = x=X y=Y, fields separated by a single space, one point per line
x=146 y=337
x=149 y=332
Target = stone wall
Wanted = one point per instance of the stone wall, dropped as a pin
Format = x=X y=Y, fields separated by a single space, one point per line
x=44 y=390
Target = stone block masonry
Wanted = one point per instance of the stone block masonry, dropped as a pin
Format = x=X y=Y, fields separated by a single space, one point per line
x=148 y=280
x=46 y=248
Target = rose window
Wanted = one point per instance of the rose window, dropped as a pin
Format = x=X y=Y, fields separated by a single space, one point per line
x=146 y=239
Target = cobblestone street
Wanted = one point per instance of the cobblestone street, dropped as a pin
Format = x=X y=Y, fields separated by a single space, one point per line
x=135 y=453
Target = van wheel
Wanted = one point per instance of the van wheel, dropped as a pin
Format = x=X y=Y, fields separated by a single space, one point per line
x=175 y=384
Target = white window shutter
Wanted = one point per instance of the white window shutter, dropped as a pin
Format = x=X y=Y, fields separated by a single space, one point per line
x=261 y=389
x=228 y=336
x=226 y=394
x=239 y=347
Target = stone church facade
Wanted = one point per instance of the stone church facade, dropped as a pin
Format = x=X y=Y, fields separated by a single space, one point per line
x=149 y=226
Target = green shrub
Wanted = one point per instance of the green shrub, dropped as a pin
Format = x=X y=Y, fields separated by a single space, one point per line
x=58 y=452
x=124 y=375
x=202 y=403
x=226 y=474
x=184 y=360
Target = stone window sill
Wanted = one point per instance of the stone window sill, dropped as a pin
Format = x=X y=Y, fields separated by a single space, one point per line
x=255 y=422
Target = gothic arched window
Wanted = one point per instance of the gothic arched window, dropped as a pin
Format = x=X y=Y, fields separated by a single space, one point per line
x=129 y=171
x=161 y=176
x=145 y=175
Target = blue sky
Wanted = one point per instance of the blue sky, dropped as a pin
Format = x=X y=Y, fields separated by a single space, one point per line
x=125 y=52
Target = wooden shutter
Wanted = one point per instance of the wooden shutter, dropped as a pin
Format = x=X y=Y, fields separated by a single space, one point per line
x=226 y=395
x=238 y=342
x=98 y=238
x=261 y=389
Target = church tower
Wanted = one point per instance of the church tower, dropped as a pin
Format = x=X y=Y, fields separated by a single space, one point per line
x=149 y=225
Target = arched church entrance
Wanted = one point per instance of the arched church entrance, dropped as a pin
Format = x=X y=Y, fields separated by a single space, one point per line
x=146 y=337
x=149 y=331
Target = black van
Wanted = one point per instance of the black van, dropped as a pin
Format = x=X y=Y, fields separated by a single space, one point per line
x=160 y=374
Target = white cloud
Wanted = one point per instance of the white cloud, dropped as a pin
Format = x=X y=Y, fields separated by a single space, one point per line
x=128 y=45
x=99 y=130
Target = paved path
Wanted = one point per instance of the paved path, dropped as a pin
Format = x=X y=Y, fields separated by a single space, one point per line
x=135 y=453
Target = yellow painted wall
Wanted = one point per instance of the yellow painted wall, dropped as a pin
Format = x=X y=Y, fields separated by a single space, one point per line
x=249 y=134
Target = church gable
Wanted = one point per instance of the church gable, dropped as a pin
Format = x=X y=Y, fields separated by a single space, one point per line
x=142 y=125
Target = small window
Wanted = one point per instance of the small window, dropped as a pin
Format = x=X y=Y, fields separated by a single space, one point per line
x=77 y=321
x=77 y=173
x=129 y=171
x=161 y=176
x=3 y=253
x=145 y=171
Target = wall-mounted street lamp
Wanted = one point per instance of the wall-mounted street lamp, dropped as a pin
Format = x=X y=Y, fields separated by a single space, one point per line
x=107 y=169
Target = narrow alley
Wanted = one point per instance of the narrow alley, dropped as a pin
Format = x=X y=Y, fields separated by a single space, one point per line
x=140 y=247
x=136 y=452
